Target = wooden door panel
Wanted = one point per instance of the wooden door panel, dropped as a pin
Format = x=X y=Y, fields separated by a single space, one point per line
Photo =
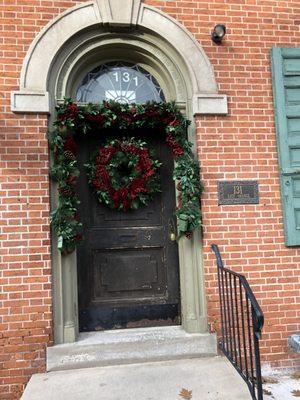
x=102 y=216
x=122 y=237
x=128 y=273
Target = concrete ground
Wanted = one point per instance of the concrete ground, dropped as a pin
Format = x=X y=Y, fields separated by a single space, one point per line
x=211 y=378
x=282 y=386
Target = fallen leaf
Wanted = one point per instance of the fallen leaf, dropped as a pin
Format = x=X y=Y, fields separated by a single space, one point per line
x=186 y=394
x=267 y=392
x=295 y=375
x=269 y=379
x=296 y=393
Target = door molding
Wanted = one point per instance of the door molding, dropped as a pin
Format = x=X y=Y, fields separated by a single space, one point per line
x=90 y=33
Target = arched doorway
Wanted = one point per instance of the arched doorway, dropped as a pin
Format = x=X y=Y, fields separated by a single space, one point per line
x=128 y=266
x=132 y=32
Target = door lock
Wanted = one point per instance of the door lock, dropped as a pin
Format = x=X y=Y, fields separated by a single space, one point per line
x=172 y=230
x=173 y=237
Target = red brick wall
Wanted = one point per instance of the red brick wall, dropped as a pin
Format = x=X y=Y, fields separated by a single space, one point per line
x=241 y=145
x=25 y=288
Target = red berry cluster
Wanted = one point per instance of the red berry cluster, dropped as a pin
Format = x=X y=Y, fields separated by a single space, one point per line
x=177 y=150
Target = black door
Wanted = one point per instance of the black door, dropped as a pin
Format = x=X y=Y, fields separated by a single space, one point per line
x=128 y=273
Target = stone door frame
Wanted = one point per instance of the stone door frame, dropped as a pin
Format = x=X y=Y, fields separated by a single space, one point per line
x=68 y=47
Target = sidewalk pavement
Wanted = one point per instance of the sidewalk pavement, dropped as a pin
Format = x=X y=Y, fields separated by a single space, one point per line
x=211 y=378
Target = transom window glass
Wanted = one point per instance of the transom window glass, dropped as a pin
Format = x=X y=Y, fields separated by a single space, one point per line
x=121 y=82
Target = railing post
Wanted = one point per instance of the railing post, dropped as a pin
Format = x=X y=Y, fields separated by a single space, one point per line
x=257 y=358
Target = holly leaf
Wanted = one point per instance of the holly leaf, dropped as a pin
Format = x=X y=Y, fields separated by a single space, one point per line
x=182 y=225
x=135 y=205
x=186 y=394
x=60 y=242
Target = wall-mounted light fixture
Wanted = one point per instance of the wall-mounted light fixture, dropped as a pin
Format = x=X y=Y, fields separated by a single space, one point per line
x=218 y=33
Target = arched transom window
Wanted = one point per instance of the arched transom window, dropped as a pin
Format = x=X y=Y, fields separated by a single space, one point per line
x=121 y=82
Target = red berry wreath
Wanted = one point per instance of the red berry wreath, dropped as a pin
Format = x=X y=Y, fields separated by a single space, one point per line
x=123 y=174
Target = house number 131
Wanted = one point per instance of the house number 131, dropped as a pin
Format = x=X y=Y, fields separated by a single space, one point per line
x=125 y=77
x=238 y=190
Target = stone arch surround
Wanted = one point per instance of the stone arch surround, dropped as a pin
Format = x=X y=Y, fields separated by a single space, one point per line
x=44 y=79
x=33 y=95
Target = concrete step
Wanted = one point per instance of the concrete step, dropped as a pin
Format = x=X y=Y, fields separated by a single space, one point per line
x=210 y=378
x=130 y=346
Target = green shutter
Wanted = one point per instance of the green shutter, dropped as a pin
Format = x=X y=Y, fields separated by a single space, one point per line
x=286 y=88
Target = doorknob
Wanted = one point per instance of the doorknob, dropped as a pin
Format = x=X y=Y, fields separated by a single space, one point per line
x=173 y=237
x=172 y=230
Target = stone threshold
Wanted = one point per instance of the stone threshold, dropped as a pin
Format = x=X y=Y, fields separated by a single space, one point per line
x=129 y=346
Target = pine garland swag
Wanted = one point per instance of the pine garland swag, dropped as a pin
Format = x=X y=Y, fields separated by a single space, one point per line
x=93 y=119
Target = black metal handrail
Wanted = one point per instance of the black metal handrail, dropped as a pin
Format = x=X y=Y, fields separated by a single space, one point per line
x=242 y=321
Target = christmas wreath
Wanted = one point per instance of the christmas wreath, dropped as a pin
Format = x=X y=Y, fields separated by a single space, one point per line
x=123 y=174
x=73 y=119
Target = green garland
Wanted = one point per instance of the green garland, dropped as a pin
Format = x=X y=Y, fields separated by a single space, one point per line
x=94 y=119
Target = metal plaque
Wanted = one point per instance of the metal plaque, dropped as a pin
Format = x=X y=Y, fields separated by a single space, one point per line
x=238 y=192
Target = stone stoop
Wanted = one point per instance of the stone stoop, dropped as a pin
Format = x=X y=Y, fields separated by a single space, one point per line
x=130 y=346
x=211 y=378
